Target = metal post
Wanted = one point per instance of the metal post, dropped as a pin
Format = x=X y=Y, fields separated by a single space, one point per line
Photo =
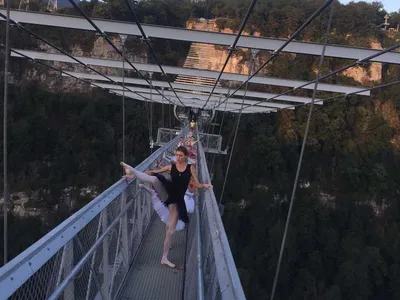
x=5 y=183
x=123 y=38
x=151 y=113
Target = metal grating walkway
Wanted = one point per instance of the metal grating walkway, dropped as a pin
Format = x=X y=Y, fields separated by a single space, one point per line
x=147 y=278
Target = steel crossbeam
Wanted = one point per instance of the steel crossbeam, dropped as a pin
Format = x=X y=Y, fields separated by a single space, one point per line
x=192 y=102
x=198 y=97
x=189 y=72
x=191 y=87
x=206 y=37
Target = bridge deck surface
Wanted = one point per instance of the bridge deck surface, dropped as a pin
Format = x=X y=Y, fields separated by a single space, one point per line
x=148 y=279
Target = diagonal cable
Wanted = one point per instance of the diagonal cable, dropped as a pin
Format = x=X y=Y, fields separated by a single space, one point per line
x=147 y=40
x=358 y=62
x=321 y=61
x=18 y=25
x=384 y=85
x=105 y=36
x=232 y=48
x=59 y=70
x=277 y=52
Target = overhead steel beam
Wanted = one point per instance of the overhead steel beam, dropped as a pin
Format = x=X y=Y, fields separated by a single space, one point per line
x=196 y=102
x=166 y=92
x=192 y=87
x=200 y=98
x=193 y=102
x=206 y=37
x=189 y=72
x=237 y=103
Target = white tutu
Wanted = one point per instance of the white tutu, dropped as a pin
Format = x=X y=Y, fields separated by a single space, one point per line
x=189 y=201
x=162 y=210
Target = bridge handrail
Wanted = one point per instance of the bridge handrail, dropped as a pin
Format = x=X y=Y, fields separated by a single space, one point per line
x=228 y=278
x=18 y=270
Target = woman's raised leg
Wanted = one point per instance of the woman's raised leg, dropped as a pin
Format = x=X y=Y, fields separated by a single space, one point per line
x=157 y=184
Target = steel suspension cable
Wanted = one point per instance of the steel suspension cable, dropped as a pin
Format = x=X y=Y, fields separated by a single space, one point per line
x=236 y=131
x=5 y=139
x=18 y=25
x=384 y=85
x=59 y=70
x=358 y=62
x=321 y=61
x=153 y=53
x=277 y=52
x=151 y=117
x=219 y=133
x=232 y=48
x=105 y=36
x=123 y=101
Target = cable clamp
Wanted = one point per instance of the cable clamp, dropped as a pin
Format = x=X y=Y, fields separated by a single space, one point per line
x=275 y=53
x=361 y=63
x=231 y=48
x=15 y=24
x=145 y=38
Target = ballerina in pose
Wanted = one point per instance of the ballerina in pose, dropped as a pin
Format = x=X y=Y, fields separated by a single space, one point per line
x=171 y=192
x=162 y=210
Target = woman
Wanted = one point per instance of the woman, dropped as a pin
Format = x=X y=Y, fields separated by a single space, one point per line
x=173 y=191
x=162 y=210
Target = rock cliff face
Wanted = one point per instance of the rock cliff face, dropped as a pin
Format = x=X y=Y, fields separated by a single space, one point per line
x=217 y=55
x=366 y=75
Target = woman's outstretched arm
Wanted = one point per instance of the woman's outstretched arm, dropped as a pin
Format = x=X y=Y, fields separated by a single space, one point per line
x=161 y=170
x=196 y=180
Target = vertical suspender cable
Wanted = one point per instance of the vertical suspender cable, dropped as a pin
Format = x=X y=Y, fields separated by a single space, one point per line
x=232 y=48
x=151 y=115
x=5 y=154
x=236 y=130
x=162 y=114
x=321 y=60
x=219 y=133
x=123 y=98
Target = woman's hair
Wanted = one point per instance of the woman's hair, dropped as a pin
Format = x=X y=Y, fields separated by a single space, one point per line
x=183 y=150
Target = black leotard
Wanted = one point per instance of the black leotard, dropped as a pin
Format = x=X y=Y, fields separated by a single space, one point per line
x=176 y=189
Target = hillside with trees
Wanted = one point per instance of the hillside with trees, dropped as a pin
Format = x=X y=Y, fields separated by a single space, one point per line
x=343 y=242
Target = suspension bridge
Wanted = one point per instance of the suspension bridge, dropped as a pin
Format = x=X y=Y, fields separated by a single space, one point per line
x=110 y=249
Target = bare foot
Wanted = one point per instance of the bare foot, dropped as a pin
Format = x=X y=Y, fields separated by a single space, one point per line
x=127 y=170
x=165 y=261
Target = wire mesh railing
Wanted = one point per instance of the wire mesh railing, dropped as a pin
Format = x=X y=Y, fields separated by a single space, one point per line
x=208 y=244
x=89 y=254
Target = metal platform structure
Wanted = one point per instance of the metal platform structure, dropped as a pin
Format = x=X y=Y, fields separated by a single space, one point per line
x=111 y=249
x=336 y=88
x=196 y=36
x=211 y=143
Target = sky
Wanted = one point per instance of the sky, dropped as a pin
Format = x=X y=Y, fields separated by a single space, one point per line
x=389 y=5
